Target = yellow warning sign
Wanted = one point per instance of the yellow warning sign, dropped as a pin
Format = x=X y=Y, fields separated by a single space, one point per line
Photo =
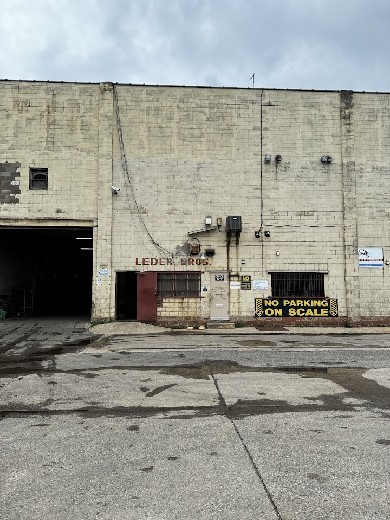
x=296 y=307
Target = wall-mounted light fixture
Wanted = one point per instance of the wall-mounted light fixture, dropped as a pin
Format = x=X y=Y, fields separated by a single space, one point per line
x=326 y=159
x=257 y=234
x=267 y=158
x=202 y=255
x=267 y=233
x=278 y=158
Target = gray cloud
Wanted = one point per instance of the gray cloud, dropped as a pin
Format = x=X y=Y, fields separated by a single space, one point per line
x=321 y=44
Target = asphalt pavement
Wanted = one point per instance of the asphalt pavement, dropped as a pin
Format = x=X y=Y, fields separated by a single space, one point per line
x=132 y=421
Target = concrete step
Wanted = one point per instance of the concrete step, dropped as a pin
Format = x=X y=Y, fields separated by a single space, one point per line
x=220 y=325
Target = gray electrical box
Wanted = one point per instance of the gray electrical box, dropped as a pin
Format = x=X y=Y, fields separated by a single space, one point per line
x=233 y=224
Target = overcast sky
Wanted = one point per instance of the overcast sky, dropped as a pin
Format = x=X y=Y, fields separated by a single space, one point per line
x=319 y=44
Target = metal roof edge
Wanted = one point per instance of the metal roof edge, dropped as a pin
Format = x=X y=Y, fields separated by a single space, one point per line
x=277 y=89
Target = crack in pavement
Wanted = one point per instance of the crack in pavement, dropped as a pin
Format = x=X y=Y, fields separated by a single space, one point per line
x=223 y=405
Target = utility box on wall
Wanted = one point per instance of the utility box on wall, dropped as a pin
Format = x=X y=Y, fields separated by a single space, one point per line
x=233 y=224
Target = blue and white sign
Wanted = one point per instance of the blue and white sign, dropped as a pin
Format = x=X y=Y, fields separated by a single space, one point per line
x=371 y=257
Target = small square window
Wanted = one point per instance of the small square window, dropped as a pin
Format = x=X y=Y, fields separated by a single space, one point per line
x=39 y=178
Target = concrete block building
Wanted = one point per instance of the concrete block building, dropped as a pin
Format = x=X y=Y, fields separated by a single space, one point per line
x=190 y=204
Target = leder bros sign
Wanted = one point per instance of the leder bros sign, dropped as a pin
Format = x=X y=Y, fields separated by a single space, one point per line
x=172 y=261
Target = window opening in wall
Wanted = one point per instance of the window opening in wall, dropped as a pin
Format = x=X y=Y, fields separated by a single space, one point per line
x=297 y=284
x=39 y=178
x=178 y=285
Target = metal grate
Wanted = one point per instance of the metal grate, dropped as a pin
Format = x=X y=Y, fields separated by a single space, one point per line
x=181 y=285
x=297 y=284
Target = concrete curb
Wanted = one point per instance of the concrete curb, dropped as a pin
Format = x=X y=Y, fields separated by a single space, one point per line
x=135 y=328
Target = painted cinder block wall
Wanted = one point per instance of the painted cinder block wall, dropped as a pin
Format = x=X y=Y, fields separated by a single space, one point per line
x=370 y=120
x=191 y=153
x=51 y=125
x=196 y=152
x=303 y=197
x=55 y=126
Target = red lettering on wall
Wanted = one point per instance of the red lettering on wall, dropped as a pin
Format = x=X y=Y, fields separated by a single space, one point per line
x=171 y=261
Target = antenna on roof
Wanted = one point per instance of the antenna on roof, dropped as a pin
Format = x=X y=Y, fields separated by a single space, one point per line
x=253 y=80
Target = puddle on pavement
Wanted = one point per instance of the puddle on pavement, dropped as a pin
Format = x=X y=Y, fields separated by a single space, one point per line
x=358 y=390
x=24 y=356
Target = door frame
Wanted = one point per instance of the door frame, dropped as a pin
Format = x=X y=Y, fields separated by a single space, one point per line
x=215 y=317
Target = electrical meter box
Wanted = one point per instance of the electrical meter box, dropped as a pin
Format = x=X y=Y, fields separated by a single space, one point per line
x=233 y=224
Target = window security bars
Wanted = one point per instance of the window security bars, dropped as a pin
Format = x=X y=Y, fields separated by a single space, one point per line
x=178 y=285
x=297 y=284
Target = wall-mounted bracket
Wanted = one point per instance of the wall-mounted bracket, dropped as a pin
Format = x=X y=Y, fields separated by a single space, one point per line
x=203 y=230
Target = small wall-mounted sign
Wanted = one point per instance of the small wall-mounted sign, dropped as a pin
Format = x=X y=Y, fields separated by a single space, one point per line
x=260 y=285
x=371 y=257
x=246 y=283
x=235 y=285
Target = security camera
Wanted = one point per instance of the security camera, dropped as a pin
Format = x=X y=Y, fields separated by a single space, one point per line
x=115 y=189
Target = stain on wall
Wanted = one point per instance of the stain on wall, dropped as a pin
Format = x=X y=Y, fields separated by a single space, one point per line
x=9 y=183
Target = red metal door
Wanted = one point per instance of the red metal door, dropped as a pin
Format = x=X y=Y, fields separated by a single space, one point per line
x=147 y=296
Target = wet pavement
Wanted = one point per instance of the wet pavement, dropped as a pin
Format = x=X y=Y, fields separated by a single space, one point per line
x=123 y=421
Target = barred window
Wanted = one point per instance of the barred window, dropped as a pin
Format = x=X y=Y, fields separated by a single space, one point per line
x=183 y=285
x=297 y=284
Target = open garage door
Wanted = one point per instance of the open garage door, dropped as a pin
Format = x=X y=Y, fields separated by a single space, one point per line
x=46 y=271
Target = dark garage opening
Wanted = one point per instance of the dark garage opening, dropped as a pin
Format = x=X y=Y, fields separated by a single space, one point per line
x=46 y=271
